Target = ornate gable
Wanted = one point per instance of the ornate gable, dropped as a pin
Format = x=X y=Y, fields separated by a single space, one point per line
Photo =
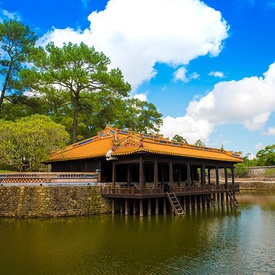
x=130 y=141
x=107 y=132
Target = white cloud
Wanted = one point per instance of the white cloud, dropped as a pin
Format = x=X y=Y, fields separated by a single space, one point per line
x=8 y=15
x=270 y=131
x=251 y=156
x=187 y=127
x=249 y=101
x=181 y=74
x=142 y=97
x=259 y=146
x=135 y=34
x=217 y=74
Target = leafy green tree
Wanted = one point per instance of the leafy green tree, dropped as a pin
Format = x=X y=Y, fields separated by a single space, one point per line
x=266 y=156
x=28 y=141
x=179 y=138
x=22 y=105
x=199 y=143
x=240 y=169
x=76 y=70
x=17 y=42
x=137 y=115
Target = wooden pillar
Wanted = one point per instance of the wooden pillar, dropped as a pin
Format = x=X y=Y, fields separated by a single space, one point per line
x=209 y=176
x=214 y=198
x=156 y=173
x=134 y=207
x=208 y=198
x=126 y=207
x=226 y=198
x=121 y=207
x=113 y=206
x=171 y=180
x=225 y=177
x=203 y=175
x=199 y=201
x=113 y=173
x=141 y=176
x=190 y=202
x=157 y=206
x=222 y=198
x=128 y=174
x=203 y=201
x=149 y=207
x=217 y=176
x=141 y=208
x=233 y=176
x=187 y=202
x=183 y=203
x=164 y=205
x=188 y=174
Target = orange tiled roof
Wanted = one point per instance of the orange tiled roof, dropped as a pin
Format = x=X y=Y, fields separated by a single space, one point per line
x=117 y=142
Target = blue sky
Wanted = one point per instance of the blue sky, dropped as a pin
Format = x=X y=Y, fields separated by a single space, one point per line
x=208 y=66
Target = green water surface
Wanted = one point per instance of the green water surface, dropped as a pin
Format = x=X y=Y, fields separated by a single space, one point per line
x=206 y=241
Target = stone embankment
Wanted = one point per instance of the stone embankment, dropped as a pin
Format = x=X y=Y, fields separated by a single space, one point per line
x=263 y=184
x=51 y=201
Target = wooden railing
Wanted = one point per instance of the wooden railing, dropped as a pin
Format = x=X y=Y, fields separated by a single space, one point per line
x=48 y=178
x=210 y=188
x=121 y=190
x=131 y=190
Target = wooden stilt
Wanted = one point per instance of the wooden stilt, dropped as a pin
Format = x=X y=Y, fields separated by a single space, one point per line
x=200 y=201
x=113 y=206
x=121 y=207
x=157 y=206
x=134 y=207
x=190 y=202
x=126 y=207
x=164 y=205
x=183 y=204
x=149 y=207
x=141 y=208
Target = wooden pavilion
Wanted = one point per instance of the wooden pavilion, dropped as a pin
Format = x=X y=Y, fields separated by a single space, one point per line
x=145 y=173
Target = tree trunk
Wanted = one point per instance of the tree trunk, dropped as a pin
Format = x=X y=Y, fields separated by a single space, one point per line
x=5 y=87
x=75 y=101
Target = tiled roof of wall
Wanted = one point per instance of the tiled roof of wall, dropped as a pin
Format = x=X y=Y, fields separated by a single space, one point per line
x=123 y=142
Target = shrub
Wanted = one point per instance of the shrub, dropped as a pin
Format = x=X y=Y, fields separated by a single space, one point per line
x=270 y=173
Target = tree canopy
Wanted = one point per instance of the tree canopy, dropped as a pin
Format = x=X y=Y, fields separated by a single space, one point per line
x=77 y=70
x=30 y=140
x=72 y=85
x=17 y=42
x=179 y=138
x=266 y=156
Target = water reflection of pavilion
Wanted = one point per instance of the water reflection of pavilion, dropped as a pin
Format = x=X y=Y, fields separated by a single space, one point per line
x=142 y=172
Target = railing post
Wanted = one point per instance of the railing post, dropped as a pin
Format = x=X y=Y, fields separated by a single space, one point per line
x=98 y=175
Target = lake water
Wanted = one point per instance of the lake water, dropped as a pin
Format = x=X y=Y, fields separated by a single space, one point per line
x=207 y=241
